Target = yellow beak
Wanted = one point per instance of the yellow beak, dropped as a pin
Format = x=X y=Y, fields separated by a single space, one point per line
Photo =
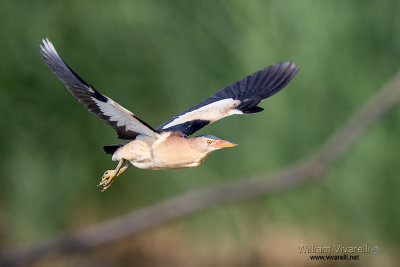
x=222 y=144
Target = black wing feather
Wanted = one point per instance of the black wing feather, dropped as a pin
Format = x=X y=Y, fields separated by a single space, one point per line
x=250 y=91
x=86 y=94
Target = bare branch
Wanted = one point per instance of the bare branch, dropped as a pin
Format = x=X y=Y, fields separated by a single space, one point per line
x=188 y=203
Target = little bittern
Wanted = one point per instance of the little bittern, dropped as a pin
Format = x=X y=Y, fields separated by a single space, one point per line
x=169 y=146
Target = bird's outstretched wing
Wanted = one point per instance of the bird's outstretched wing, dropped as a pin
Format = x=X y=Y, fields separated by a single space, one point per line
x=124 y=122
x=241 y=97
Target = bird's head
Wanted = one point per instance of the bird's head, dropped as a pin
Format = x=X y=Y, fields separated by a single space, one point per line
x=209 y=143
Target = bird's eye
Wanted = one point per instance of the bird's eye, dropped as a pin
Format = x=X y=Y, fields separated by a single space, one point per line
x=209 y=142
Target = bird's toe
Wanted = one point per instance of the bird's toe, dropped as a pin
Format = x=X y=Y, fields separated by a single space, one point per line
x=107 y=179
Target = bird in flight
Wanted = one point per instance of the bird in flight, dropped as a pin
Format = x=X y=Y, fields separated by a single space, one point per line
x=169 y=146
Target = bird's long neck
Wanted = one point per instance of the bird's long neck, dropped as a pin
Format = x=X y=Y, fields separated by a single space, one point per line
x=175 y=147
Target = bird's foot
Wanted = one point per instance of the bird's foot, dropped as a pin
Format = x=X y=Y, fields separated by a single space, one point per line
x=107 y=179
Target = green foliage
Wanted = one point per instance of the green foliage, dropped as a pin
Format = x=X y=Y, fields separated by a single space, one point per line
x=158 y=58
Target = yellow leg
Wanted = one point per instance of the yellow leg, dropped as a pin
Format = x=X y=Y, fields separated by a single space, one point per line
x=110 y=175
x=123 y=169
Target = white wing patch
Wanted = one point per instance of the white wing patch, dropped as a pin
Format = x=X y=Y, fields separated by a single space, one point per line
x=211 y=112
x=123 y=117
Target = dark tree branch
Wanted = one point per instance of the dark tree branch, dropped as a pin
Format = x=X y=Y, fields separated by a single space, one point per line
x=151 y=216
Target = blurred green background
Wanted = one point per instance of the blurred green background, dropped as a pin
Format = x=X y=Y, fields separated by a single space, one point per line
x=158 y=58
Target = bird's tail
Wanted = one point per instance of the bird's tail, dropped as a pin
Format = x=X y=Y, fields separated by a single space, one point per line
x=110 y=149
